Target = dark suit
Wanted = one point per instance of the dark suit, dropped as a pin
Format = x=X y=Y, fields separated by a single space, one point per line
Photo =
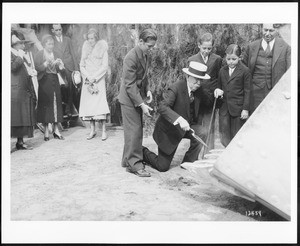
x=204 y=96
x=133 y=91
x=281 y=61
x=66 y=53
x=167 y=135
x=235 y=99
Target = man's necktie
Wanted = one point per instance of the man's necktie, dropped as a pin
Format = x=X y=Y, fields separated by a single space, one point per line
x=191 y=97
x=268 y=49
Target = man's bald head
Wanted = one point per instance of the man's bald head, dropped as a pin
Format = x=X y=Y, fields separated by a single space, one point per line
x=269 y=32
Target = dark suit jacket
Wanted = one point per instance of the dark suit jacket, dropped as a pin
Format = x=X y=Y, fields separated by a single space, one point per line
x=176 y=103
x=204 y=97
x=134 y=85
x=236 y=89
x=281 y=58
x=66 y=53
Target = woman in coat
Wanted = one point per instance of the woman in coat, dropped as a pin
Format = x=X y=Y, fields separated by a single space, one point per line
x=93 y=67
x=23 y=98
x=49 y=108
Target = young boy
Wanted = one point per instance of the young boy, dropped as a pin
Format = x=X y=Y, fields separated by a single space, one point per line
x=234 y=87
x=204 y=98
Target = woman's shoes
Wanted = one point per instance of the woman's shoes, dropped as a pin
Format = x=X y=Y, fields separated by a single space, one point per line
x=104 y=136
x=46 y=138
x=58 y=137
x=23 y=146
x=90 y=137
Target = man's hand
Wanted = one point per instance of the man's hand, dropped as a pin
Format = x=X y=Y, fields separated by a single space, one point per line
x=184 y=124
x=146 y=109
x=244 y=114
x=218 y=93
x=149 y=97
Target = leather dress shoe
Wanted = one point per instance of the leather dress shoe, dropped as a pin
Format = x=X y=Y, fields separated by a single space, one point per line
x=46 y=138
x=140 y=173
x=58 y=137
x=23 y=146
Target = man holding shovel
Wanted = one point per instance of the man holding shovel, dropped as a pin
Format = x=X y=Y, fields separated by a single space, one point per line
x=174 y=121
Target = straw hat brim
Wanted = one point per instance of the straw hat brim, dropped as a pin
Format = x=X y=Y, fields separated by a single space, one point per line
x=186 y=70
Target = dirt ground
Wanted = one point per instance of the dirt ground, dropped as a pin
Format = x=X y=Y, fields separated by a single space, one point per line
x=81 y=180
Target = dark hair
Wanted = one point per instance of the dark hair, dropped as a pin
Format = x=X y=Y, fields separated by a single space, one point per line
x=46 y=38
x=233 y=49
x=206 y=37
x=148 y=34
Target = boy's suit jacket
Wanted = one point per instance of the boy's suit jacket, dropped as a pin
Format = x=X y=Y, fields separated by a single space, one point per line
x=207 y=88
x=281 y=58
x=176 y=103
x=66 y=53
x=134 y=84
x=236 y=89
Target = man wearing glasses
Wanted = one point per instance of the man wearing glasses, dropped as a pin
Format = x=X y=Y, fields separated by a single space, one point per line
x=134 y=94
x=64 y=48
x=268 y=59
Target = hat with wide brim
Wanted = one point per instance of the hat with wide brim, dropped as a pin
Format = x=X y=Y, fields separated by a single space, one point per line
x=76 y=78
x=197 y=70
x=17 y=40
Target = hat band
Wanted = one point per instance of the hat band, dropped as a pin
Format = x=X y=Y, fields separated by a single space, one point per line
x=196 y=72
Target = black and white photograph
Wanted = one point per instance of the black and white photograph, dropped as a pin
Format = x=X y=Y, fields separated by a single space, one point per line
x=149 y=122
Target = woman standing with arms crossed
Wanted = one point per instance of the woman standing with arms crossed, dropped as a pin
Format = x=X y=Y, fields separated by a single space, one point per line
x=49 y=108
x=93 y=67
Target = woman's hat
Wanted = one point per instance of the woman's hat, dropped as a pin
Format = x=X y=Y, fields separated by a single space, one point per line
x=19 y=39
x=76 y=78
x=197 y=70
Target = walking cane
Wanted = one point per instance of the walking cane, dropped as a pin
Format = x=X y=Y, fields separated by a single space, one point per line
x=209 y=128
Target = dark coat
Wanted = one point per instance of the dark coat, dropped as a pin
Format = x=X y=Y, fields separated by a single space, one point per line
x=66 y=53
x=134 y=85
x=48 y=85
x=236 y=89
x=176 y=103
x=204 y=96
x=23 y=99
x=281 y=58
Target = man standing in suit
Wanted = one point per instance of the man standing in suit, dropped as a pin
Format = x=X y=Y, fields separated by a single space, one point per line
x=268 y=59
x=174 y=121
x=63 y=46
x=204 y=97
x=133 y=96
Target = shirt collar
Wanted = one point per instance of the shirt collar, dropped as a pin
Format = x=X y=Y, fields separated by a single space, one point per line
x=264 y=44
x=205 y=60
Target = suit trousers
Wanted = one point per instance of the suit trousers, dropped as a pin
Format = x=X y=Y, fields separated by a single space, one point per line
x=162 y=161
x=133 y=137
x=257 y=95
x=229 y=126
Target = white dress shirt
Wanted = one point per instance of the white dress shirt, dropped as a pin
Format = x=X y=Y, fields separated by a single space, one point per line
x=231 y=71
x=264 y=44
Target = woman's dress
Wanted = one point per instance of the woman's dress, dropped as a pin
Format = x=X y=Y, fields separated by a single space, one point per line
x=94 y=64
x=49 y=109
x=23 y=100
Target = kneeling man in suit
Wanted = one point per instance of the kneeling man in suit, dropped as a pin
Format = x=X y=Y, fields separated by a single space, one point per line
x=174 y=121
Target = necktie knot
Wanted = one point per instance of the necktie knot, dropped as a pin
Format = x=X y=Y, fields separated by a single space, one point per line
x=191 y=97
